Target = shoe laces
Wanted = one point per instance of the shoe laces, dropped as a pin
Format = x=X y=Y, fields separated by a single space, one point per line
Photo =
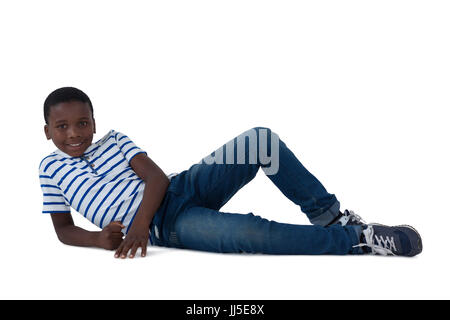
x=377 y=243
x=351 y=216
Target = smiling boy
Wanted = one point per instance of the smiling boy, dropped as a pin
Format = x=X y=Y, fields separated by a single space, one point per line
x=114 y=184
x=113 y=170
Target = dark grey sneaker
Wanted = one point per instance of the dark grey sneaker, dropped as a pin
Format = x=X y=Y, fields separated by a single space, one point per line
x=348 y=218
x=401 y=240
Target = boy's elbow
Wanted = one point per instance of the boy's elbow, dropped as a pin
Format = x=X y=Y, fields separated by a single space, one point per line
x=61 y=237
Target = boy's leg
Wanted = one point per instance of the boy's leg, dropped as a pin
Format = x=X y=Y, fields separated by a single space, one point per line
x=221 y=174
x=205 y=229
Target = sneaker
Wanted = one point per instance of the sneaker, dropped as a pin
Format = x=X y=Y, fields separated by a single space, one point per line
x=348 y=218
x=401 y=240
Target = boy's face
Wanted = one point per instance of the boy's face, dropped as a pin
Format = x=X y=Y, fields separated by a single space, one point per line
x=71 y=126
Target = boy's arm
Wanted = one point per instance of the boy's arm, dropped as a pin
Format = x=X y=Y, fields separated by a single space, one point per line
x=68 y=233
x=156 y=183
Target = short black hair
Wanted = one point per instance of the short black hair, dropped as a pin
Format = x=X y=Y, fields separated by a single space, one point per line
x=65 y=94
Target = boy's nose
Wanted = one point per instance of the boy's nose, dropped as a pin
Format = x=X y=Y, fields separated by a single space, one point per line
x=73 y=132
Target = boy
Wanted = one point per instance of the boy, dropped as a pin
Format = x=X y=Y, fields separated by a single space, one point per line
x=115 y=185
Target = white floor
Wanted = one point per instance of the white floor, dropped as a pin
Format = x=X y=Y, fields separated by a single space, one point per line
x=41 y=267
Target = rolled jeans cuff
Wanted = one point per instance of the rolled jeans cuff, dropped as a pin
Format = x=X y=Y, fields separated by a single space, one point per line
x=325 y=218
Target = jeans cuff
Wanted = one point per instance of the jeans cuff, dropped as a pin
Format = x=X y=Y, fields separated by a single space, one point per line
x=325 y=218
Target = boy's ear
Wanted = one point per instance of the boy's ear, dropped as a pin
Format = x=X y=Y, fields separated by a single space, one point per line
x=46 y=132
x=94 y=124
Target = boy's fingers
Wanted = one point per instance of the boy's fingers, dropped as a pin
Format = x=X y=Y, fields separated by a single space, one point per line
x=144 y=250
x=120 y=250
x=116 y=226
x=117 y=238
x=134 y=248
x=117 y=243
x=125 y=249
x=117 y=235
x=131 y=247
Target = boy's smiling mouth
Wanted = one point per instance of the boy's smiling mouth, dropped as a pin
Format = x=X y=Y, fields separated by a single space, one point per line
x=75 y=146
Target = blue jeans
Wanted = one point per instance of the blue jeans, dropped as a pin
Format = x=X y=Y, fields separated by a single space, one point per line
x=190 y=217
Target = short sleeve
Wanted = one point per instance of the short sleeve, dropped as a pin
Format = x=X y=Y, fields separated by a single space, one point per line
x=53 y=198
x=128 y=148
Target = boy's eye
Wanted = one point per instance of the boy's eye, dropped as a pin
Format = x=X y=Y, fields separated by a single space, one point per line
x=61 y=126
x=83 y=123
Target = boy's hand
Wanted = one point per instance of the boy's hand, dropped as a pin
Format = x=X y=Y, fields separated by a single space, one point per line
x=136 y=237
x=111 y=236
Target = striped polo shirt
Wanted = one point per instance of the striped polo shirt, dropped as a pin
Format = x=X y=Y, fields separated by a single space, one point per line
x=100 y=185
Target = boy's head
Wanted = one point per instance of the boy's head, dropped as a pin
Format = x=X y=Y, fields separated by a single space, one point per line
x=69 y=119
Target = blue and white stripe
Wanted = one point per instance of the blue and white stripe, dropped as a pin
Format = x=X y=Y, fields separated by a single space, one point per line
x=101 y=185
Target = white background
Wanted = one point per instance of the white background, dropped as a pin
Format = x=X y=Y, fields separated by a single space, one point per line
x=359 y=90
